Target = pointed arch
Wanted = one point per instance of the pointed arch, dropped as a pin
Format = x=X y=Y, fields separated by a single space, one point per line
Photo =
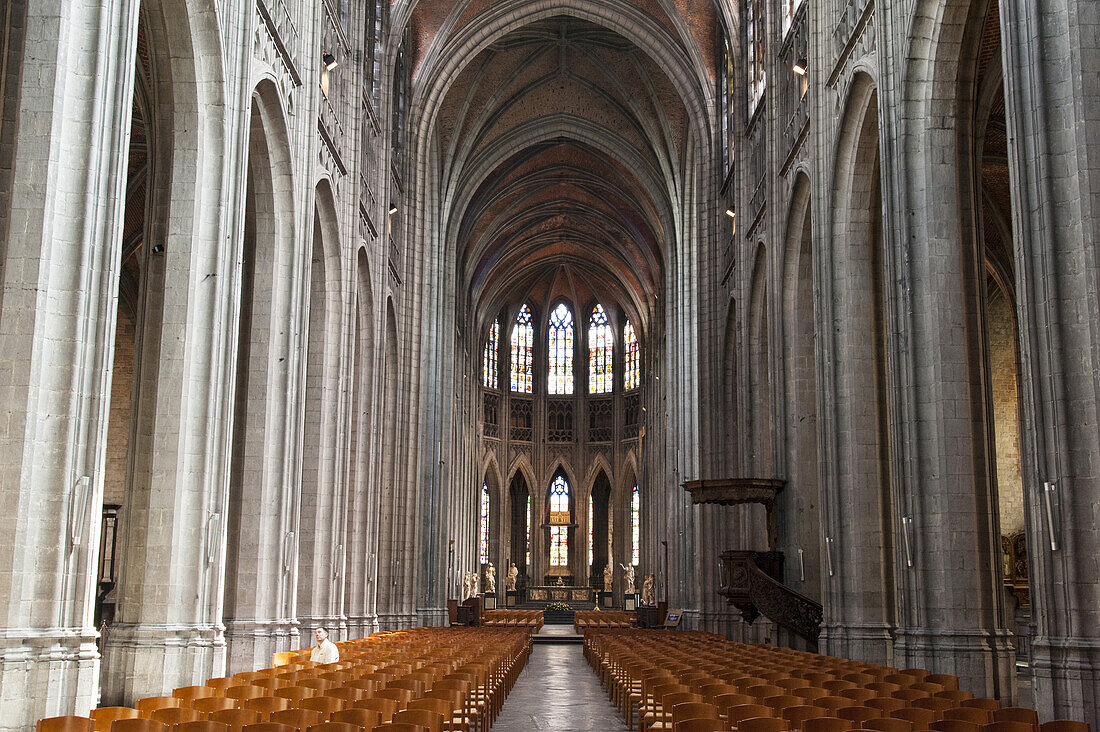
x=601 y=351
x=760 y=365
x=560 y=348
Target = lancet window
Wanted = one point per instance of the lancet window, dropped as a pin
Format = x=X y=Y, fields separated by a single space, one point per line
x=560 y=337
x=631 y=370
x=490 y=356
x=483 y=543
x=523 y=338
x=636 y=525
x=559 y=522
x=601 y=348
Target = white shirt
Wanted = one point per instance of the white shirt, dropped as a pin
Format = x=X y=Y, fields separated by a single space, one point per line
x=327 y=652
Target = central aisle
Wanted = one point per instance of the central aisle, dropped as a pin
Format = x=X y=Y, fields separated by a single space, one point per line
x=558 y=691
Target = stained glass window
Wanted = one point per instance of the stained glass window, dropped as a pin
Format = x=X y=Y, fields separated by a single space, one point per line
x=489 y=358
x=635 y=525
x=601 y=347
x=528 y=531
x=523 y=337
x=631 y=373
x=590 y=531
x=559 y=546
x=559 y=501
x=484 y=541
x=560 y=379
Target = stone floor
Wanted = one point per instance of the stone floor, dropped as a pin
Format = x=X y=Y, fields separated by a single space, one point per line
x=558 y=692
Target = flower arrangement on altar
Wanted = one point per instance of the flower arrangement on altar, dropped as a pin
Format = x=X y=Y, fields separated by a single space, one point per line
x=558 y=607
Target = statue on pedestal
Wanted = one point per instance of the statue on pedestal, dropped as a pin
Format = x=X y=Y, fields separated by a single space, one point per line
x=608 y=576
x=628 y=578
x=559 y=583
x=490 y=579
x=467 y=585
x=513 y=574
x=647 y=590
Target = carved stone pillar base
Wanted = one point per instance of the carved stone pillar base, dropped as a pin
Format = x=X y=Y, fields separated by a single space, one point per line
x=985 y=662
x=46 y=673
x=151 y=659
x=250 y=644
x=868 y=643
x=1066 y=677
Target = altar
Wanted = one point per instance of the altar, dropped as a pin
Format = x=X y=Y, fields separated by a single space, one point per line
x=560 y=593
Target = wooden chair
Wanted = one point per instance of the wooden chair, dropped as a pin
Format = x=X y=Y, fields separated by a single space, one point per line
x=885 y=704
x=105 y=716
x=1009 y=726
x=858 y=714
x=366 y=718
x=326 y=705
x=693 y=710
x=810 y=693
x=266 y=705
x=1016 y=714
x=221 y=683
x=138 y=725
x=783 y=701
x=763 y=724
x=909 y=694
x=834 y=703
x=237 y=719
x=401 y=696
x=399 y=727
x=209 y=704
x=335 y=727
x=191 y=693
x=317 y=683
x=67 y=723
x=828 y=724
x=798 y=715
x=241 y=693
x=954 y=695
x=763 y=691
x=268 y=727
x=1064 y=725
x=150 y=704
x=857 y=695
x=980 y=703
x=386 y=708
x=299 y=719
x=423 y=717
x=445 y=708
x=699 y=725
x=969 y=714
x=935 y=704
x=920 y=718
x=735 y=715
x=954 y=725
x=947 y=681
x=205 y=725
x=177 y=715
x=888 y=724
x=349 y=694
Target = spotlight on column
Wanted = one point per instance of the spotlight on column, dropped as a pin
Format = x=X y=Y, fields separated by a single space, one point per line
x=393 y=209
x=329 y=61
x=731 y=213
x=801 y=66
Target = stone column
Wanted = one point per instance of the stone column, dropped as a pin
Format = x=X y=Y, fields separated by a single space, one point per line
x=1052 y=84
x=67 y=102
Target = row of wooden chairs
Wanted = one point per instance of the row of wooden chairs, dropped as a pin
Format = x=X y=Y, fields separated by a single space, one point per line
x=761 y=688
x=593 y=619
x=438 y=679
x=532 y=619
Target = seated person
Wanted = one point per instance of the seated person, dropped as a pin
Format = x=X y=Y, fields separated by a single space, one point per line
x=325 y=651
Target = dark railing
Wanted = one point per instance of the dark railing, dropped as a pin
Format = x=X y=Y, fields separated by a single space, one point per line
x=752 y=582
x=283 y=31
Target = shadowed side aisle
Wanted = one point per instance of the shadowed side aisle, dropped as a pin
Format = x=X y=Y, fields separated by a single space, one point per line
x=558 y=692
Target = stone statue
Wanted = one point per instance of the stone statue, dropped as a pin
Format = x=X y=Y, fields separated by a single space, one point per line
x=467 y=586
x=647 y=590
x=608 y=576
x=513 y=574
x=475 y=581
x=490 y=579
x=628 y=578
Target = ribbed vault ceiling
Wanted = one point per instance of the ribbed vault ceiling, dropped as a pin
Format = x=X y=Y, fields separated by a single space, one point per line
x=561 y=148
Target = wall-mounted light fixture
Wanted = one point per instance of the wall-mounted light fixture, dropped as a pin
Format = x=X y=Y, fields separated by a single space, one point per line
x=801 y=65
x=329 y=61
x=731 y=213
x=393 y=209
